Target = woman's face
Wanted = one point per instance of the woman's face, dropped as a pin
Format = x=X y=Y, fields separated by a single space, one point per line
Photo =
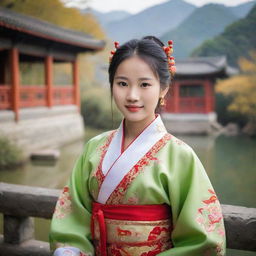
x=136 y=90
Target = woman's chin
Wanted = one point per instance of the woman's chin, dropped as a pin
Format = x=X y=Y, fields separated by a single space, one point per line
x=137 y=118
x=133 y=117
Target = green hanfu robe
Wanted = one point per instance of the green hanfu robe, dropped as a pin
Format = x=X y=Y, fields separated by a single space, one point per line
x=157 y=168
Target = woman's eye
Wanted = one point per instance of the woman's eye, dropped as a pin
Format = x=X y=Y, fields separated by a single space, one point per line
x=122 y=83
x=145 y=84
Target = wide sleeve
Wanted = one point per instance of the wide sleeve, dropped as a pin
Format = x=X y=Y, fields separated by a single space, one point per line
x=198 y=226
x=70 y=225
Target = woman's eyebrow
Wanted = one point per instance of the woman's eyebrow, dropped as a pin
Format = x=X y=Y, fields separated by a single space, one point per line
x=121 y=77
x=125 y=78
x=145 y=78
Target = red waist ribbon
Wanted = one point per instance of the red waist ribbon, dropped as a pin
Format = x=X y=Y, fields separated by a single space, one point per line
x=152 y=212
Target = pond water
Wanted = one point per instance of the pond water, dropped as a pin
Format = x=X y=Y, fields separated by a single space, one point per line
x=229 y=161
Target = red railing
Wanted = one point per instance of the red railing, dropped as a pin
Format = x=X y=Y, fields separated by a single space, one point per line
x=34 y=95
x=192 y=105
x=63 y=95
x=5 y=97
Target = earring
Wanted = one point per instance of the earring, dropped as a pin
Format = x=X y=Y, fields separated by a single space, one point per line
x=162 y=102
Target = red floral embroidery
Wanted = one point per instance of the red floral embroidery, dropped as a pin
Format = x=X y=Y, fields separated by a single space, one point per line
x=103 y=150
x=64 y=205
x=210 y=216
x=123 y=232
x=115 y=251
x=154 y=234
x=117 y=195
x=155 y=251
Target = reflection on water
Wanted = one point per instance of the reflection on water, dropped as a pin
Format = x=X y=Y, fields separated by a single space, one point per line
x=50 y=174
x=231 y=165
x=229 y=161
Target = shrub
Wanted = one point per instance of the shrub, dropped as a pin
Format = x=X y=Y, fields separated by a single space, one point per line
x=96 y=110
x=225 y=116
x=10 y=154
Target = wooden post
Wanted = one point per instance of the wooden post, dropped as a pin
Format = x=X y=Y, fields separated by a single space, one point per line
x=212 y=94
x=15 y=78
x=76 y=83
x=176 y=97
x=207 y=96
x=49 y=80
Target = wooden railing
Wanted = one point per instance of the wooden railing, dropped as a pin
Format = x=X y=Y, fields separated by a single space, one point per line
x=20 y=203
x=5 y=97
x=35 y=95
x=63 y=95
x=32 y=95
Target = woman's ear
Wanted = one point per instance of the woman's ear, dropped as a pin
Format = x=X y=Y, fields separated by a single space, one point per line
x=164 y=92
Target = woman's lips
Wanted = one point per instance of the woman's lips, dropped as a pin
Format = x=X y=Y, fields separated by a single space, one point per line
x=133 y=108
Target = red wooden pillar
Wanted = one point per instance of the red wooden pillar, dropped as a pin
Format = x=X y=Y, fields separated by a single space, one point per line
x=176 y=97
x=76 y=83
x=212 y=93
x=207 y=96
x=15 y=78
x=49 y=80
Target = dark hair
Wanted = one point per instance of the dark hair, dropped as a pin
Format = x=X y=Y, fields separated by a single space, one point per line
x=149 y=48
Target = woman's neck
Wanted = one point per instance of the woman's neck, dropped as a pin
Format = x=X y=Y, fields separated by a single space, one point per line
x=133 y=129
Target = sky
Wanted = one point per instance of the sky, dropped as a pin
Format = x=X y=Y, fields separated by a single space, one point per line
x=135 y=6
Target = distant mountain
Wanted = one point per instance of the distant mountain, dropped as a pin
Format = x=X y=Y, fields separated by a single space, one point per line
x=105 y=18
x=204 y=23
x=152 y=21
x=242 y=10
x=237 y=40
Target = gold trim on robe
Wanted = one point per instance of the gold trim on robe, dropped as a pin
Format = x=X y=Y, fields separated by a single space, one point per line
x=126 y=237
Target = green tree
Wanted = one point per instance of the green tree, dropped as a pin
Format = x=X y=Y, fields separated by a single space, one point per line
x=242 y=90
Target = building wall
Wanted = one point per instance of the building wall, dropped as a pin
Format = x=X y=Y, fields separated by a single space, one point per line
x=191 y=123
x=42 y=128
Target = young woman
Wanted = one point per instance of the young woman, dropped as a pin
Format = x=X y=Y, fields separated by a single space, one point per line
x=138 y=190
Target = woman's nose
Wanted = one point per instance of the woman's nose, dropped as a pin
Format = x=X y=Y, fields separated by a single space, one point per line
x=132 y=94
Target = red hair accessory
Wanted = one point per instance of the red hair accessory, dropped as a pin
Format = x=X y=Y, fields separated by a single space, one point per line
x=113 y=52
x=168 y=51
x=171 y=60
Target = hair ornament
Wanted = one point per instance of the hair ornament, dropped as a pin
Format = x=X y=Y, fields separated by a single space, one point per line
x=113 y=52
x=171 y=60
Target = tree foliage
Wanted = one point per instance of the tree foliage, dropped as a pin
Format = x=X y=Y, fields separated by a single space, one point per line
x=242 y=88
x=55 y=12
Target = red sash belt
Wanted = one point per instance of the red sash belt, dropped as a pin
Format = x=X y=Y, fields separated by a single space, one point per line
x=125 y=212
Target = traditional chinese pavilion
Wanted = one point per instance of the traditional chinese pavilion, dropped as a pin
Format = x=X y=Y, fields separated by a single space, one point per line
x=44 y=114
x=190 y=106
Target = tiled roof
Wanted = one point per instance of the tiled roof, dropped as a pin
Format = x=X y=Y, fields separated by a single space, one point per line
x=204 y=66
x=42 y=29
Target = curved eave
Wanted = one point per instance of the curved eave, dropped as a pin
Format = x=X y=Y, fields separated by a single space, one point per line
x=221 y=72
x=91 y=44
x=224 y=72
x=204 y=66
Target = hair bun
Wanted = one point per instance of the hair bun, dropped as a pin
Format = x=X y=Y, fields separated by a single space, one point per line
x=155 y=39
